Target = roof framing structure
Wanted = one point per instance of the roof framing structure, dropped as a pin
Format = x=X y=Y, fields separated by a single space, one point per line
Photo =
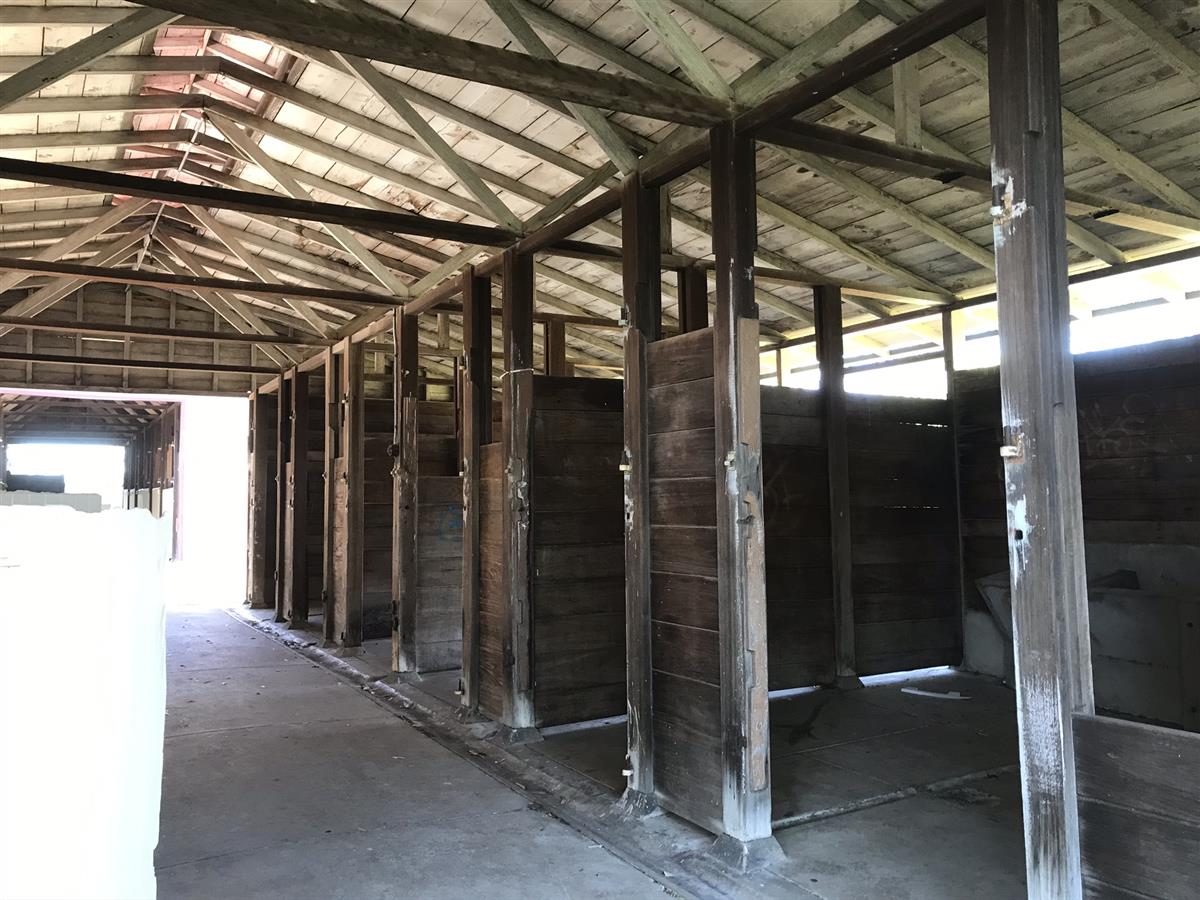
x=229 y=149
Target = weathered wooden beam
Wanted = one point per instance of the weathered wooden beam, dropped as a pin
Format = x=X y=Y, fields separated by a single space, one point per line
x=476 y=431
x=516 y=390
x=330 y=366
x=269 y=204
x=331 y=296
x=118 y=329
x=1041 y=454
x=693 y=299
x=696 y=66
x=102 y=363
x=741 y=571
x=827 y=303
x=375 y=35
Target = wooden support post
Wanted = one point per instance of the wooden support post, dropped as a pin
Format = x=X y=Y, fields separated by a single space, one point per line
x=331 y=364
x=1041 y=442
x=283 y=432
x=516 y=391
x=693 y=299
x=348 y=503
x=476 y=431
x=741 y=567
x=404 y=496
x=556 y=348
x=260 y=546
x=827 y=304
x=640 y=230
x=296 y=540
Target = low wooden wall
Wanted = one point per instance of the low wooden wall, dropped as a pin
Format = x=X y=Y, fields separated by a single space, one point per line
x=1139 y=808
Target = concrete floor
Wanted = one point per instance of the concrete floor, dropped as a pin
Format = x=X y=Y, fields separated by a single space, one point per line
x=280 y=780
x=895 y=787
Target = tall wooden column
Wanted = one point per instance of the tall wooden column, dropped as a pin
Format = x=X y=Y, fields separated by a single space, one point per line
x=516 y=391
x=348 y=503
x=295 y=611
x=827 y=304
x=404 y=495
x=555 y=350
x=1041 y=452
x=640 y=229
x=741 y=568
x=476 y=431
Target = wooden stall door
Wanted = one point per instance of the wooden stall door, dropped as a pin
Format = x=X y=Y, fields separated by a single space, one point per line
x=577 y=544
x=686 y=678
x=378 y=435
x=436 y=604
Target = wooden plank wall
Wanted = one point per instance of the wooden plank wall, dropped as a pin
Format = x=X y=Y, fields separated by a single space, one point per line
x=493 y=601
x=800 y=648
x=438 y=620
x=683 y=578
x=1139 y=808
x=577 y=545
x=904 y=534
x=378 y=435
x=1138 y=441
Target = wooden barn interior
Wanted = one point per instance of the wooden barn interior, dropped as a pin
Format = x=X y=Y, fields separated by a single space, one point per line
x=665 y=407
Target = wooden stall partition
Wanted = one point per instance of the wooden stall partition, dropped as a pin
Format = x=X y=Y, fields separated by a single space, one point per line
x=260 y=577
x=800 y=627
x=1139 y=808
x=429 y=593
x=685 y=627
x=577 y=577
x=904 y=534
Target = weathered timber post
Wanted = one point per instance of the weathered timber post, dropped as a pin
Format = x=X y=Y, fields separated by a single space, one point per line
x=741 y=555
x=1041 y=452
x=404 y=495
x=641 y=237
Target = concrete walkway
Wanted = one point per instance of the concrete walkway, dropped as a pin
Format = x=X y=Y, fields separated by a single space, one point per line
x=282 y=781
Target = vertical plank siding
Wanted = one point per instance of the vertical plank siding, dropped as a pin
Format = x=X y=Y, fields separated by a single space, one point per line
x=378 y=434
x=263 y=514
x=493 y=599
